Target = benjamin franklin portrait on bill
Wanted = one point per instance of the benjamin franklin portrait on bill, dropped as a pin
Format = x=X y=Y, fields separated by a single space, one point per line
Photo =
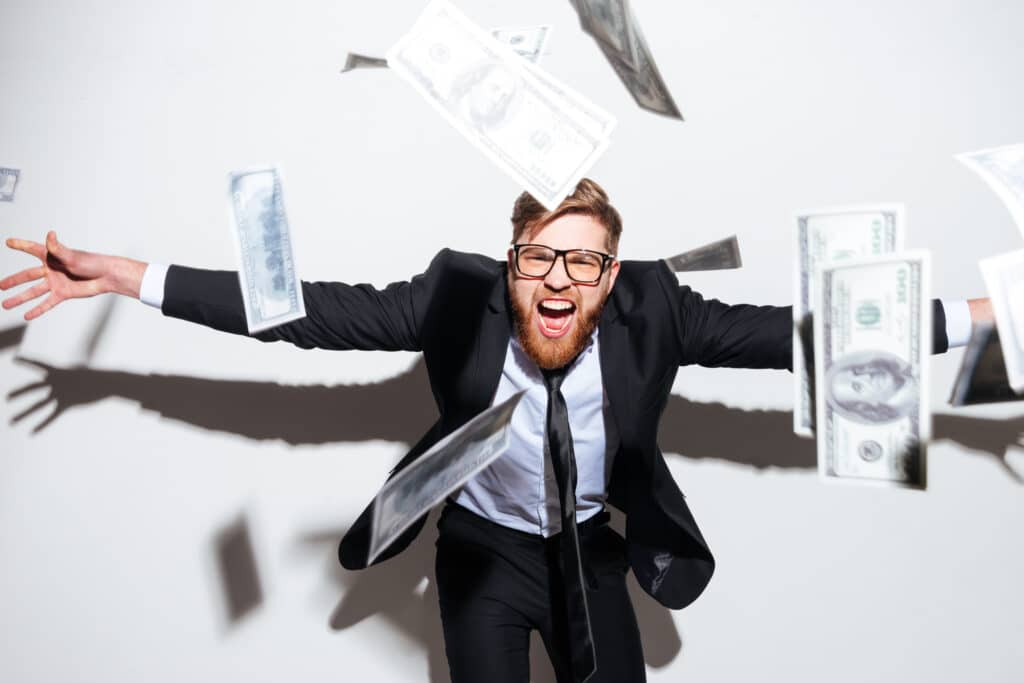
x=872 y=387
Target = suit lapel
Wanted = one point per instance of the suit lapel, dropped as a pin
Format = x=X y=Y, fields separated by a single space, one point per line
x=495 y=331
x=614 y=339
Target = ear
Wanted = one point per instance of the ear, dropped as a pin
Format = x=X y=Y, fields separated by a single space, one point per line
x=511 y=256
x=613 y=273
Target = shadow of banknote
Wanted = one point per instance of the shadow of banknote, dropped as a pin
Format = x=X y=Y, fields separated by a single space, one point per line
x=11 y=337
x=239 y=579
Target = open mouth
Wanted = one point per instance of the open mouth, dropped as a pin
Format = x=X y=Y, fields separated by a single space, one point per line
x=555 y=317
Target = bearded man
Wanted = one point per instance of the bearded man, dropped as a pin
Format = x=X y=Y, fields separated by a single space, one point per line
x=594 y=342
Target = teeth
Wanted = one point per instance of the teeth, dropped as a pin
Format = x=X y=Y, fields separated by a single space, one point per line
x=557 y=305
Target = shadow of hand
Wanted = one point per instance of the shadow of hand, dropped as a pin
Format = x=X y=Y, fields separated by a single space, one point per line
x=65 y=390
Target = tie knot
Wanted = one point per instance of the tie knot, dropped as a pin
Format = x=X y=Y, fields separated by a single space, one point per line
x=553 y=378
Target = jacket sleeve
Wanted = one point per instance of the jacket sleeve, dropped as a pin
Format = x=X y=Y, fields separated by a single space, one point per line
x=714 y=334
x=338 y=316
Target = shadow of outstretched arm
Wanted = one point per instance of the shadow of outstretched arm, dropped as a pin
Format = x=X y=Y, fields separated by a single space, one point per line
x=765 y=438
x=984 y=435
x=397 y=409
x=759 y=438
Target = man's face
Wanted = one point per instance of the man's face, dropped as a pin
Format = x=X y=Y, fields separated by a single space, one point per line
x=554 y=315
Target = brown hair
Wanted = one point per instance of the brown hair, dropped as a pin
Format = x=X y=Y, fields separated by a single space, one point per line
x=529 y=215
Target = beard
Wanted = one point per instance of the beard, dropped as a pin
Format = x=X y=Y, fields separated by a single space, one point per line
x=547 y=353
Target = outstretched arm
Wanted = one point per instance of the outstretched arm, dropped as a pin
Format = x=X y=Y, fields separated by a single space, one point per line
x=66 y=273
x=338 y=315
x=714 y=334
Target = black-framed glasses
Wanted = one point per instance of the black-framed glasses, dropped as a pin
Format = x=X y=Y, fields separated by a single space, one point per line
x=582 y=265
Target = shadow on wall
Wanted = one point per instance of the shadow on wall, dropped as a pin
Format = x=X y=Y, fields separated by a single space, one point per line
x=240 y=584
x=399 y=409
x=11 y=337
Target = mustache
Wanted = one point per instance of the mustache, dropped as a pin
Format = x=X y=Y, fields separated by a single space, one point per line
x=545 y=293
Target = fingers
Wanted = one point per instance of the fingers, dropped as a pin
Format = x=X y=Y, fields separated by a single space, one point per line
x=34 y=363
x=38 y=405
x=24 y=276
x=28 y=246
x=28 y=388
x=49 y=303
x=27 y=295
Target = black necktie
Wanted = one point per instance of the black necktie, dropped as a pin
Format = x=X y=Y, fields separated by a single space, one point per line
x=563 y=461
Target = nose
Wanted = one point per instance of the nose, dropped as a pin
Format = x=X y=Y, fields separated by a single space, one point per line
x=558 y=278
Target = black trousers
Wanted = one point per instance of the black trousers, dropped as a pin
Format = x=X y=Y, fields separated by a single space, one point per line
x=497 y=584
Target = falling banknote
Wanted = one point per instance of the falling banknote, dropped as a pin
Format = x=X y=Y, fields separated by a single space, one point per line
x=1003 y=169
x=872 y=337
x=436 y=474
x=1004 y=279
x=617 y=32
x=8 y=183
x=822 y=236
x=720 y=255
x=270 y=285
x=522 y=120
x=609 y=22
x=358 y=61
x=982 y=377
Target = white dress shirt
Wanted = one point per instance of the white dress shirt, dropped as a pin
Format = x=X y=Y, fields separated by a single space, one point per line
x=519 y=489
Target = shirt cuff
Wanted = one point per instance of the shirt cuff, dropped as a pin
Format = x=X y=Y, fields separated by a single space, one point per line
x=151 y=292
x=958 y=322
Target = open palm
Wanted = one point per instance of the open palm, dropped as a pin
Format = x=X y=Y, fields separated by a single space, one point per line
x=65 y=273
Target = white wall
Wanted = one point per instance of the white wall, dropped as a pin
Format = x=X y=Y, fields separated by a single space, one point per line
x=125 y=119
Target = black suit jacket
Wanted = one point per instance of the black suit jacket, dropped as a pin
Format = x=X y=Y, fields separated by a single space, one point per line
x=457 y=314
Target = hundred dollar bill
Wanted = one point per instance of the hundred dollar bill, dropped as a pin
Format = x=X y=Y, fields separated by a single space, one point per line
x=824 y=235
x=357 y=61
x=872 y=337
x=1004 y=279
x=1002 y=168
x=270 y=284
x=617 y=32
x=610 y=22
x=498 y=102
x=644 y=81
x=8 y=181
x=720 y=255
x=436 y=474
x=529 y=42
x=982 y=376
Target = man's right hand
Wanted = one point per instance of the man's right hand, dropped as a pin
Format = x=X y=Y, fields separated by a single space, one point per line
x=69 y=274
